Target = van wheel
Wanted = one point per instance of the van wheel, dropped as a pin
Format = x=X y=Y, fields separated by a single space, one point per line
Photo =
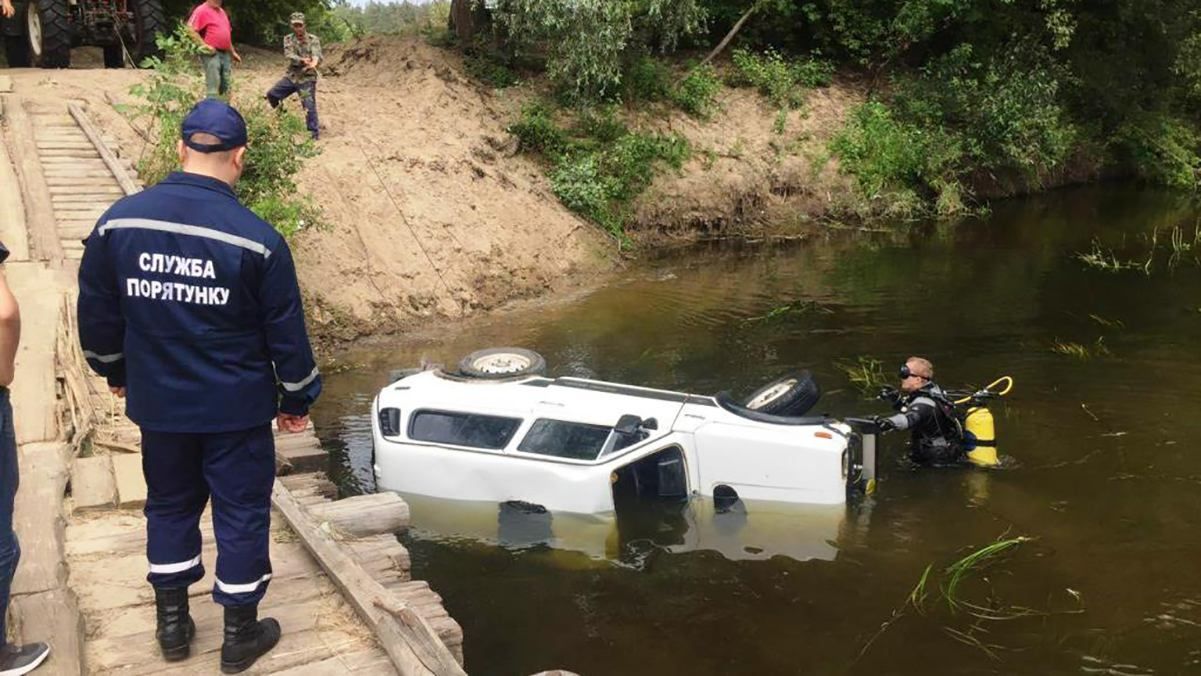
x=790 y=395
x=502 y=362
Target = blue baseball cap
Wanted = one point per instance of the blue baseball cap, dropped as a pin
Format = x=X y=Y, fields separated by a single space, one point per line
x=218 y=118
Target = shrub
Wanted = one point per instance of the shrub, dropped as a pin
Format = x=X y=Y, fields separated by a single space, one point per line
x=279 y=143
x=780 y=80
x=600 y=166
x=647 y=79
x=1162 y=149
x=538 y=132
x=696 y=92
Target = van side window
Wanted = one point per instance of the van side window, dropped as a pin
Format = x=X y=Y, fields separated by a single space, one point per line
x=463 y=429
x=560 y=439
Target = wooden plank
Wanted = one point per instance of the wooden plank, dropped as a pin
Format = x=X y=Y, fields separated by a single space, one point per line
x=39 y=218
x=88 y=196
x=78 y=172
x=411 y=643
x=81 y=181
x=12 y=210
x=38 y=519
x=6 y=84
x=127 y=183
x=51 y=617
x=39 y=291
x=92 y=483
x=93 y=192
x=365 y=515
x=131 y=484
x=79 y=214
x=58 y=144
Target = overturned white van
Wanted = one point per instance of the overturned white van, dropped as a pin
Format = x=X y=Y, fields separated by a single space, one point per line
x=496 y=431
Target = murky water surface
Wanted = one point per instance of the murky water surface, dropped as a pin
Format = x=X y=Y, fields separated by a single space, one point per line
x=1106 y=476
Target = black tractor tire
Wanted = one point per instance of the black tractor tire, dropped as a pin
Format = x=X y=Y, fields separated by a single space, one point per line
x=114 y=57
x=793 y=394
x=56 y=33
x=498 y=363
x=16 y=51
x=149 y=22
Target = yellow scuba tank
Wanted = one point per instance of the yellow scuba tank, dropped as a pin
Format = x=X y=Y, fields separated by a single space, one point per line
x=979 y=428
x=980 y=434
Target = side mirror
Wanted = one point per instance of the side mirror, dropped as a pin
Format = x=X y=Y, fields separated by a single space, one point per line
x=628 y=425
x=650 y=424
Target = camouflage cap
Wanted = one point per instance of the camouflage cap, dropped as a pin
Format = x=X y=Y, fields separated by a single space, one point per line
x=297 y=18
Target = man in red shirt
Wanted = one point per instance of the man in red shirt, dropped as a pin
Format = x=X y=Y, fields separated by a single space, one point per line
x=209 y=26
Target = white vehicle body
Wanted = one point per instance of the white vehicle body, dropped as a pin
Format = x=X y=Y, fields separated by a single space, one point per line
x=487 y=441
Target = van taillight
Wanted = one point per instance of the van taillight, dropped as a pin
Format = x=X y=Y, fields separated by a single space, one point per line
x=389 y=422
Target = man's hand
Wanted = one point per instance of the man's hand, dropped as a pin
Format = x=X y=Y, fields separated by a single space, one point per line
x=119 y=391
x=883 y=424
x=6 y=8
x=291 y=424
x=207 y=50
x=233 y=54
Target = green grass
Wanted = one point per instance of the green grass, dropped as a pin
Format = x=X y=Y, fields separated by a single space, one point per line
x=1081 y=351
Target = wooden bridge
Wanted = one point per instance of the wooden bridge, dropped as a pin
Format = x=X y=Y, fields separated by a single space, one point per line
x=341 y=587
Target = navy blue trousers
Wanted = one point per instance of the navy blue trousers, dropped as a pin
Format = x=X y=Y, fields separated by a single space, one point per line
x=236 y=469
x=308 y=98
x=10 y=549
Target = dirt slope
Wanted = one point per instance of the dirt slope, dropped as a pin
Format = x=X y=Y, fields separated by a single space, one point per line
x=432 y=213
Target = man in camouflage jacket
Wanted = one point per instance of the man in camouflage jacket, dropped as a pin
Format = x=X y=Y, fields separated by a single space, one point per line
x=303 y=52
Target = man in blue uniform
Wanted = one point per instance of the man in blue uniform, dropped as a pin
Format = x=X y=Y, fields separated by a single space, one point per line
x=189 y=306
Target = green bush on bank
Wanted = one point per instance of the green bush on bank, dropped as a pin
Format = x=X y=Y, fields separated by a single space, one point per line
x=279 y=142
x=598 y=166
x=782 y=81
x=916 y=153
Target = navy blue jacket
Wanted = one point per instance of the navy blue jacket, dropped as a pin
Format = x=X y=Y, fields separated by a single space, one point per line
x=190 y=302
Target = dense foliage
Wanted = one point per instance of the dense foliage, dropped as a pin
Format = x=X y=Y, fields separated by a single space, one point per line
x=961 y=92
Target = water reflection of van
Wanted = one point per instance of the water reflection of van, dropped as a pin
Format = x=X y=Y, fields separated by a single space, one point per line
x=737 y=530
x=571 y=445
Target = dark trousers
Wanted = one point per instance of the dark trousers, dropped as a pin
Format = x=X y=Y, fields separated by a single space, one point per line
x=237 y=469
x=308 y=98
x=10 y=549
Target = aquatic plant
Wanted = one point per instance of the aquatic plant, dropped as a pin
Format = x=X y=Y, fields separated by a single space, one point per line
x=963 y=569
x=1108 y=323
x=1081 y=351
x=865 y=373
x=793 y=309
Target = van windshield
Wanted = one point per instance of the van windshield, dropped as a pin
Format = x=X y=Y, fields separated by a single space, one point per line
x=560 y=439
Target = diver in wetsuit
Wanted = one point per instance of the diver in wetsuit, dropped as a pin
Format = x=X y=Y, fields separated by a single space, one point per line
x=924 y=409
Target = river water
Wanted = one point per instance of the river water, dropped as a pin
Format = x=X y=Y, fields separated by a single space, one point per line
x=1104 y=475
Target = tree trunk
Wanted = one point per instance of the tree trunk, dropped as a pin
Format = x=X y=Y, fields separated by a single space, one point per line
x=725 y=42
x=463 y=20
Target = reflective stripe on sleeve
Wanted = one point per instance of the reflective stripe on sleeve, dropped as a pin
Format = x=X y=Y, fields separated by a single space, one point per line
x=296 y=387
x=103 y=358
x=169 y=568
x=184 y=229
x=243 y=588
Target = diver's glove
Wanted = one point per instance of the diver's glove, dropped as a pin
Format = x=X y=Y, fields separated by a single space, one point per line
x=883 y=424
x=889 y=394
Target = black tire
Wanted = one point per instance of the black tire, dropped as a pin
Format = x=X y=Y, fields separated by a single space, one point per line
x=114 y=57
x=498 y=363
x=149 y=22
x=55 y=20
x=793 y=394
x=16 y=51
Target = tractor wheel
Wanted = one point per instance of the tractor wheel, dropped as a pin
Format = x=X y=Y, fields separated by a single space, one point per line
x=113 y=57
x=16 y=51
x=48 y=25
x=149 y=23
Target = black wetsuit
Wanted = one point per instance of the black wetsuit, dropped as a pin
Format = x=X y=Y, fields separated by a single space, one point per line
x=936 y=435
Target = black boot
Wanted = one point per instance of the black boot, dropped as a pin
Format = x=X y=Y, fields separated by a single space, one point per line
x=175 y=626
x=246 y=638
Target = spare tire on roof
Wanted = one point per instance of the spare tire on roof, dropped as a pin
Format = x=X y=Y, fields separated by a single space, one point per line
x=793 y=394
x=496 y=363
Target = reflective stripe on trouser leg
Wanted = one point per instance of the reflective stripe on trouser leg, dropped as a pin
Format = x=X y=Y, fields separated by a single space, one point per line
x=240 y=468
x=176 y=493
